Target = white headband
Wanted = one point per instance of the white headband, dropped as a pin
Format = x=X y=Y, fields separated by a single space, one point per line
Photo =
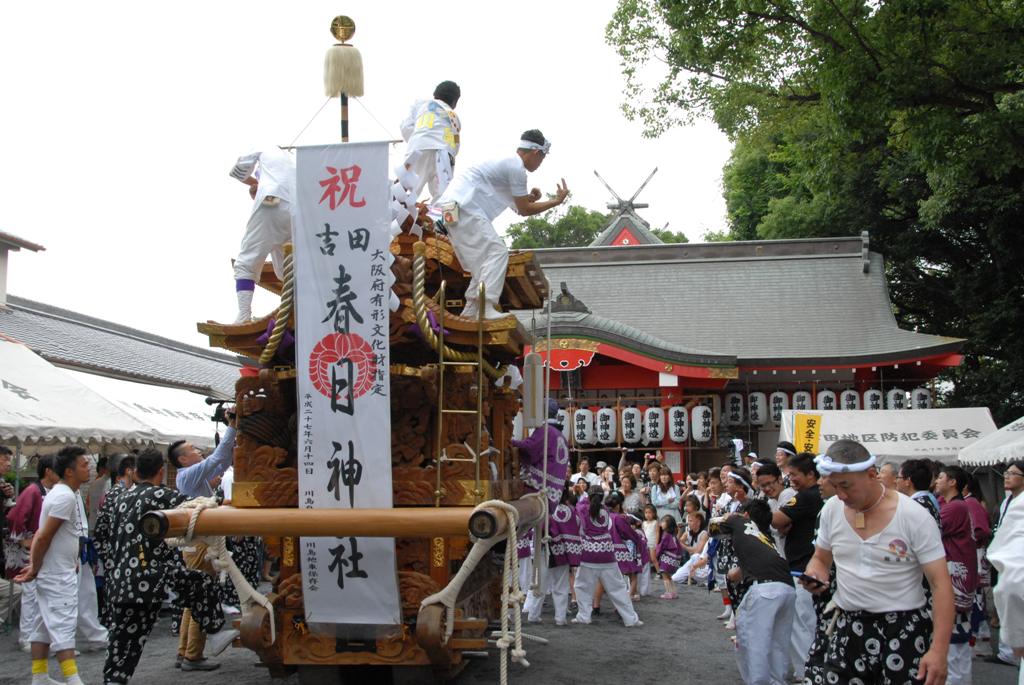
x=530 y=145
x=733 y=474
x=827 y=466
x=789 y=452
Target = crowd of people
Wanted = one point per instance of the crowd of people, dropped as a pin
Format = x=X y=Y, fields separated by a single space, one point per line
x=88 y=579
x=797 y=545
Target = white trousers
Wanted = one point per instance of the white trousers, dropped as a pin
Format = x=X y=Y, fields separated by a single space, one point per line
x=483 y=253
x=683 y=573
x=10 y=593
x=958 y=662
x=643 y=581
x=269 y=228
x=433 y=169
x=763 y=623
x=57 y=600
x=29 y=611
x=525 y=578
x=615 y=587
x=804 y=623
x=89 y=627
x=556 y=581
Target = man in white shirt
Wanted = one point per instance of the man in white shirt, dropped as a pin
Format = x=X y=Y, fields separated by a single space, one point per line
x=475 y=198
x=270 y=176
x=884 y=631
x=54 y=568
x=431 y=131
x=585 y=473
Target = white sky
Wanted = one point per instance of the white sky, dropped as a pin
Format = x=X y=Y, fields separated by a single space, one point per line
x=121 y=120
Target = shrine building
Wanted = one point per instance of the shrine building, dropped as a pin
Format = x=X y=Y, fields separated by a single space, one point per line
x=683 y=347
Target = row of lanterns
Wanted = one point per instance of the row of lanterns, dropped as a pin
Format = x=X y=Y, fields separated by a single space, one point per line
x=648 y=426
x=762 y=408
x=651 y=425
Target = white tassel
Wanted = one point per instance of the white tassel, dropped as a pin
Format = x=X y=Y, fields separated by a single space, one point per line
x=343 y=71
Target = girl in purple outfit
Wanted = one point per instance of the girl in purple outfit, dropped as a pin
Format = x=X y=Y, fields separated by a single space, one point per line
x=628 y=543
x=598 y=565
x=669 y=555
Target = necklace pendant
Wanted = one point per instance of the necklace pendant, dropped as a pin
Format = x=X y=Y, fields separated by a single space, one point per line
x=858 y=521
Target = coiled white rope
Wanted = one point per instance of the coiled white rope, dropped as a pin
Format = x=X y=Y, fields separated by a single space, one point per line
x=223 y=563
x=511 y=593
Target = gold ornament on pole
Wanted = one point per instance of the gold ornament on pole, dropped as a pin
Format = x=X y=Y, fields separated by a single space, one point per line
x=343 y=68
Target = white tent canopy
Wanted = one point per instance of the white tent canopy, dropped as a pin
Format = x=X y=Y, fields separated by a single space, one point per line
x=895 y=435
x=43 y=405
x=172 y=413
x=1006 y=444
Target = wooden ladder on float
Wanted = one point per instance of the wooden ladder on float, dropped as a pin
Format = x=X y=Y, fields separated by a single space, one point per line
x=442 y=411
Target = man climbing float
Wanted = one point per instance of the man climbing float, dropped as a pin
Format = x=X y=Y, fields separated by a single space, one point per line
x=475 y=198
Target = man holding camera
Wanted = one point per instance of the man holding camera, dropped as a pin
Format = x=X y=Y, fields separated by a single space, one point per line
x=193 y=480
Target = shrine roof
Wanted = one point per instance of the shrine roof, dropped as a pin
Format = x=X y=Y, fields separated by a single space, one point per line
x=84 y=343
x=630 y=220
x=783 y=302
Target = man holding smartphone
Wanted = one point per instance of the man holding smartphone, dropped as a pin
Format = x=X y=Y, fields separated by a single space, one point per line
x=883 y=631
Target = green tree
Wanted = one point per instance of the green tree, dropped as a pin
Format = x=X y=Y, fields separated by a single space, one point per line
x=904 y=118
x=575 y=228
x=667 y=236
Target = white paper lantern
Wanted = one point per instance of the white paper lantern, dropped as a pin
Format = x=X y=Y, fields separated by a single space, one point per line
x=733 y=409
x=606 y=425
x=717 y=415
x=631 y=426
x=921 y=398
x=757 y=408
x=778 y=402
x=849 y=400
x=896 y=399
x=873 y=399
x=654 y=424
x=563 y=418
x=827 y=400
x=700 y=422
x=802 y=400
x=583 y=426
x=678 y=424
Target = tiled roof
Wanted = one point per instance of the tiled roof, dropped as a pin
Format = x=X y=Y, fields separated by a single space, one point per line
x=13 y=242
x=82 y=342
x=765 y=302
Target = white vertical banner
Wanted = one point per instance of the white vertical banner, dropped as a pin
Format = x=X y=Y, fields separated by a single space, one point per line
x=343 y=281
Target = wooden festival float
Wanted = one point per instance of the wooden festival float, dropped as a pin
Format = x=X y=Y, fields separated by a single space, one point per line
x=445 y=410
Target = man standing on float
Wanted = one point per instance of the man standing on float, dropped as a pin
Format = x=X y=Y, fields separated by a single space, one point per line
x=475 y=198
x=431 y=132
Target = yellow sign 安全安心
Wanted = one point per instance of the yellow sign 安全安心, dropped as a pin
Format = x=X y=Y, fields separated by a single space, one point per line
x=806 y=432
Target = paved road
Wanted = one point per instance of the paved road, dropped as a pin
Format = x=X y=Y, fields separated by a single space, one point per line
x=681 y=642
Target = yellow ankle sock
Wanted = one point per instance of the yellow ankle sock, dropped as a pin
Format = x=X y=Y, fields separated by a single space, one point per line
x=38 y=666
x=69 y=667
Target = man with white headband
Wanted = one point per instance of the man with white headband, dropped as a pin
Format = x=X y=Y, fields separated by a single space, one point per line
x=881 y=543
x=475 y=198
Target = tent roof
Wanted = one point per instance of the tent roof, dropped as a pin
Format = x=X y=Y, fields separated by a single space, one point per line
x=173 y=414
x=40 y=403
x=895 y=435
x=1006 y=444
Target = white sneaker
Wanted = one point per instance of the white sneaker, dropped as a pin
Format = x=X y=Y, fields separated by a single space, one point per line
x=635 y=625
x=580 y=621
x=221 y=640
x=559 y=623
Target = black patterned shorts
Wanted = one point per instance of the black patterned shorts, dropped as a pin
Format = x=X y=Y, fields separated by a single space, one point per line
x=876 y=649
